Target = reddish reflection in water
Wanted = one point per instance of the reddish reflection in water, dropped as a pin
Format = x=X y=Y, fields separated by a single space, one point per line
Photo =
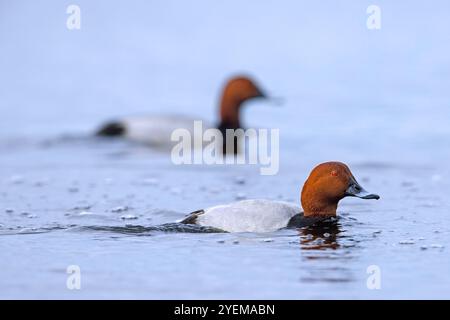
x=321 y=236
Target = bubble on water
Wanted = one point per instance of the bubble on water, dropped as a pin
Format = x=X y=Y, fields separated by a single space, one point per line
x=73 y=189
x=421 y=238
x=268 y=240
x=326 y=235
x=240 y=196
x=309 y=237
x=120 y=209
x=239 y=180
x=406 y=242
x=423 y=247
x=128 y=217
x=220 y=241
x=9 y=210
x=235 y=241
x=378 y=231
x=437 y=246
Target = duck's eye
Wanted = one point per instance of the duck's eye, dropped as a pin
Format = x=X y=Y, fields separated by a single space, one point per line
x=334 y=173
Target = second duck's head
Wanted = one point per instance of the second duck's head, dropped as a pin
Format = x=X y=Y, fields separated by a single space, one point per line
x=326 y=185
x=237 y=90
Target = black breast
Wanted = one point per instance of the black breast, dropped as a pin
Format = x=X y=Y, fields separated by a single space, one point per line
x=223 y=126
x=111 y=129
x=299 y=221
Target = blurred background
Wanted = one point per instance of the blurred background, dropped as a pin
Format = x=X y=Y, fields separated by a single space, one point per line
x=375 y=99
x=336 y=75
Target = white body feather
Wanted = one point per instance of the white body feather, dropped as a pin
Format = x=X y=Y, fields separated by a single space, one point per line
x=249 y=216
x=157 y=130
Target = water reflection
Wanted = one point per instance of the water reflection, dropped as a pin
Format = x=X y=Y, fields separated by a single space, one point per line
x=321 y=236
x=324 y=249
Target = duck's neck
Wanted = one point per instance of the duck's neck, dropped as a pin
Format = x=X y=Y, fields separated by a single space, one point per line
x=314 y=206
x=229 y=112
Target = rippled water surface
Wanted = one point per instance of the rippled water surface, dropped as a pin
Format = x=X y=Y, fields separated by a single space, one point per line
x=376 y=100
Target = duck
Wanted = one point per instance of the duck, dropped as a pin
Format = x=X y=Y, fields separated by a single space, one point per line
x=156 y=130
x=326 y=185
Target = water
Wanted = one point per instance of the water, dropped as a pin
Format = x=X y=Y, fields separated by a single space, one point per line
x=376 y=100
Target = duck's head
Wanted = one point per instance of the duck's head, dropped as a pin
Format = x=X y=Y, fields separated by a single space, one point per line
x=326 y=185
x=237 y=91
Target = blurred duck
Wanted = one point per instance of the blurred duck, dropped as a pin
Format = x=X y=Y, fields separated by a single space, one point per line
x=326 y=185
x=157 y=130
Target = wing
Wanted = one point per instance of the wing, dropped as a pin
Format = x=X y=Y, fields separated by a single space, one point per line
x=191 y=218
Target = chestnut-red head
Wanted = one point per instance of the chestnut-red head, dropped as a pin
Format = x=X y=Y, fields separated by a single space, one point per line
x=326 y=185
x=236 y=91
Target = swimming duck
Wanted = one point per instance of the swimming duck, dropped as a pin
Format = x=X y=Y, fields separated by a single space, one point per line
x=157 y=130
x=326 y=185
